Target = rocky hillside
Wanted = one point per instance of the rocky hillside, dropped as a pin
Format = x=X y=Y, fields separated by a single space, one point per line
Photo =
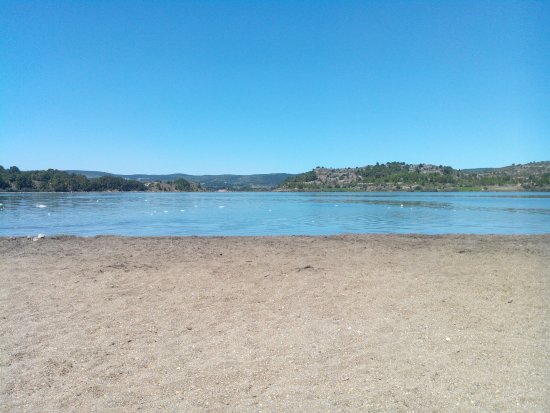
x=399 y=176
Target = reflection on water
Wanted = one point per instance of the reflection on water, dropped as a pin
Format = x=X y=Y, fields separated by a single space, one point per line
x=273 y=213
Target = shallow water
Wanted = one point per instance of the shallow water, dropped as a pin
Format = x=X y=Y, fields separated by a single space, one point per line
x=141 y=214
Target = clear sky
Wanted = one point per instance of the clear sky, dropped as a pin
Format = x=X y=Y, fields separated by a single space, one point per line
x=207 y=87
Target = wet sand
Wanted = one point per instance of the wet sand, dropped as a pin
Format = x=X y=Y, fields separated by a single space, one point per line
x=310 y=324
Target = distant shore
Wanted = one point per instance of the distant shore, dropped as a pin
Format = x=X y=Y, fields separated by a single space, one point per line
x=391 y=176
x=339 y=323
x=381 y=189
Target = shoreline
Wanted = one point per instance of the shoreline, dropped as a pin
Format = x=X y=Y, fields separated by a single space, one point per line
x=329 y=236
x=544 y=190
x=373 y=322
x=58 y=237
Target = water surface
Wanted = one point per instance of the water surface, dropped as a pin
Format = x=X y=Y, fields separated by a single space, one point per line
x=142 y=214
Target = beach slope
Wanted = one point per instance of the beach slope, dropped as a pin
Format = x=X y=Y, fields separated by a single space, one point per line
x=312 y=324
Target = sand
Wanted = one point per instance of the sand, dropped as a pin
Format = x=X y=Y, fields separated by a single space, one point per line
x=282 y=324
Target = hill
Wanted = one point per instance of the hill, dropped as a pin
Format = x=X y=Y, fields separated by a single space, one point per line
x=52 y=180
x=391 y=176
x=256 y=182
x=399 y=176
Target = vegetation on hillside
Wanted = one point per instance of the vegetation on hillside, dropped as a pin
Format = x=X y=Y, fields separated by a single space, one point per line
x=52 y=180
x=399 y=176
x=179 y=185
x=391 y=176
x=254 y=182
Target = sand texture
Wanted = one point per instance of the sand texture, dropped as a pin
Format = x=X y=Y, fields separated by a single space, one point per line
x=282 y=324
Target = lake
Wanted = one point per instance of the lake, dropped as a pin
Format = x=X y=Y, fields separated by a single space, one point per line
x=273 y=213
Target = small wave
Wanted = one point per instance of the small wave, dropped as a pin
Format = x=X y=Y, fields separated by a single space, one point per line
x=221 y=206
x=41 y=206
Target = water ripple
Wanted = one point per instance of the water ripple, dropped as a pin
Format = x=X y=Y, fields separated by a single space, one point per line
x=273 y=213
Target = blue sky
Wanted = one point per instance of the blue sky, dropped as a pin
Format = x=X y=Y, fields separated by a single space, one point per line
x=272 y=86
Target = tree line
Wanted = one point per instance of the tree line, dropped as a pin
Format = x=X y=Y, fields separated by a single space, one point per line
x=53 y=180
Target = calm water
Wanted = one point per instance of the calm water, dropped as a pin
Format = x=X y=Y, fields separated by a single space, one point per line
x=273 y=213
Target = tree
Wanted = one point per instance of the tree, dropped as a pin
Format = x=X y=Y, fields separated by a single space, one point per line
x=114 y=183
x=182 y=185
x=23 y=181
x=58 y=184
x=4 y=184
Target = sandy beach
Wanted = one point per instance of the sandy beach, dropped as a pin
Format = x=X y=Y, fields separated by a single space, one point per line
x=275 y=324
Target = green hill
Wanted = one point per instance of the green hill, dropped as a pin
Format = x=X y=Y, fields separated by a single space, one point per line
x=52 y=180
x=256 y=182
x=399 y=176
x=391 y=176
